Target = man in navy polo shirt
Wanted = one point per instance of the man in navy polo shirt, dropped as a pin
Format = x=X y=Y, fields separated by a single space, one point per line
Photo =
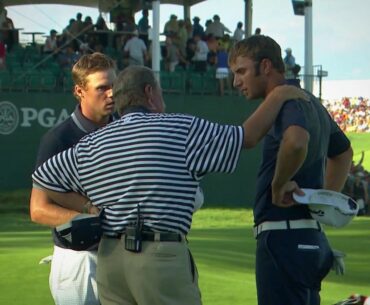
x=72 y=278
x=305 y=147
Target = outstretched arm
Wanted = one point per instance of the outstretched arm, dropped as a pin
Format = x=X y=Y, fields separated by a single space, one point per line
x=259 y=123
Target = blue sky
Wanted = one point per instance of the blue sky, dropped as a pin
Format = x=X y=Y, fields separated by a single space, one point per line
x=340 y=27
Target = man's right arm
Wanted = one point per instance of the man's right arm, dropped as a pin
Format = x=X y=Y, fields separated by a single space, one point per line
x=46 y=212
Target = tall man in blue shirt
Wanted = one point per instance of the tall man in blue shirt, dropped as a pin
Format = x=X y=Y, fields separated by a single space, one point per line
x=73 y=273
x=305 y=147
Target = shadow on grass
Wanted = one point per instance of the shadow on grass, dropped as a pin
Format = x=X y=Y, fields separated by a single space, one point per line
x=233 y=249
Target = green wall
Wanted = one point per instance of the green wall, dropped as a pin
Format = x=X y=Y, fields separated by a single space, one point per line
x=25 y=117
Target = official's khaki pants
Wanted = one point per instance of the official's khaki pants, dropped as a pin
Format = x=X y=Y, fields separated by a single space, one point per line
x=162 y=274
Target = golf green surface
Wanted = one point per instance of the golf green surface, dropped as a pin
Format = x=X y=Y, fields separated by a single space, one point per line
x=221 y=241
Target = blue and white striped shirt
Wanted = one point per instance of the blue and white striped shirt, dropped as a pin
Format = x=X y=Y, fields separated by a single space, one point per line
x=152 y=160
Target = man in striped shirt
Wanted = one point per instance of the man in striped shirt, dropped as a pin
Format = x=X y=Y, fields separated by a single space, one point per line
x=143 y=171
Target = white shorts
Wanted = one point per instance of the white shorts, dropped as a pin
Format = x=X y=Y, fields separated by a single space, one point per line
x=73 y=277
x=222 y=73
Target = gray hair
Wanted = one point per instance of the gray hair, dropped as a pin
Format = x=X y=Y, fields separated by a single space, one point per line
x=129 y=87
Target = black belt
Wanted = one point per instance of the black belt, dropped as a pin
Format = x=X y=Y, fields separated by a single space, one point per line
x=154 y=236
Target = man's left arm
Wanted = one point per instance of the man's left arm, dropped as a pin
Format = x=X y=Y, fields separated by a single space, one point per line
x=292 y=153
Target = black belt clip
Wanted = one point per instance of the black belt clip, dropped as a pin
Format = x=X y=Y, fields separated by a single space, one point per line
x=133 y=239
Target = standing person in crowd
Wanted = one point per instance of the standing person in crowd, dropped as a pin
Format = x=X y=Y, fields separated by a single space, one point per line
x=7 y=30
x=173 y=55
x=143 y=27
x=217 y=28
x=51 y=43
x=239 y=32
x=189 y=27
x=359 y=192
x=136 y=51
x=182 y=37
x=200 y=55
x=257 y=31
x=222 y=68
x=73 y=273
x=289 y=62
x=197 y=27
x=171 y=27
x=147 y=167
x=293 y=254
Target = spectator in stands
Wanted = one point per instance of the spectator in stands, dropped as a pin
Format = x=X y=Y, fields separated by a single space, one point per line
x=222 y=68
x=135 y=49
x=67 y=57
x=171 y=27
x=51 y=45
x=7 y=23
x=197 y=27
x=200 y=56
x=143 y=27
x=2 y=13
x=129 y=24
x=239 y=32
x=212 y=45
x=359 y=192
x=189 y=27
x=173 y=55
x=182 y=37
x=7 y=33
x=76 y=30
x=257 y=31
x=289 y=62
x=67 y=34
x=217 y=28
x=190 y=50
x=101 y=38
x=101 y=24
x=2 y=54
x=208 y=27
x=88 y=25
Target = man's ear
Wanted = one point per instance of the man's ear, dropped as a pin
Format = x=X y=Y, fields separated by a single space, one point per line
x=266 y=66
x=148 y=90
x=79 y=91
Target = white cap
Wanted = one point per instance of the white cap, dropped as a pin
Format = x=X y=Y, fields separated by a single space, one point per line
x=199 y=199
x=289 y=50
x=329 y=207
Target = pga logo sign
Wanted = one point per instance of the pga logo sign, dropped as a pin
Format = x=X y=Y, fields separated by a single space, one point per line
x=11 y=117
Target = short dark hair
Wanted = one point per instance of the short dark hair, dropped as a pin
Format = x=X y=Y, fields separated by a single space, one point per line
x=257 y=48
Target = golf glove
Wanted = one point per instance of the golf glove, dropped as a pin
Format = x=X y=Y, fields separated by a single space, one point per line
x=338 y=262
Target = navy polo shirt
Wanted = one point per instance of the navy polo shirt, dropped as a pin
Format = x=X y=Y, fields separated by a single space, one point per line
x=62 y=137
x=326 y=140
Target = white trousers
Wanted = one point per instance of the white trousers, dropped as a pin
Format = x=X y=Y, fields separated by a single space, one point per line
x=73 y=277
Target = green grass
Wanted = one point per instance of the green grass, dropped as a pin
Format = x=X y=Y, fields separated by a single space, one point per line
x=361 y=142
x=221 y=241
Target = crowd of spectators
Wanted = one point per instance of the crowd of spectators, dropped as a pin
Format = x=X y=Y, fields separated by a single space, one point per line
x=188 y=45
x=351 y=114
